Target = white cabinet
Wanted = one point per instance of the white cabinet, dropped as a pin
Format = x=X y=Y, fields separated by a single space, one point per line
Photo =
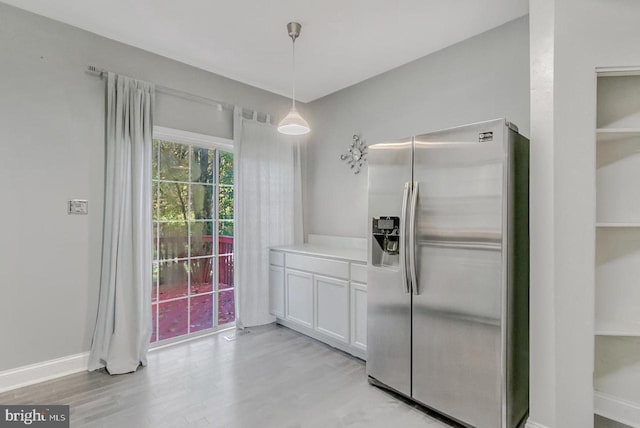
x=299 y=297
x=332 y=307
x=276 y=290
x=321 y=296
x=617 y=289
x=359 y=316
x=359 y=273
x=335 y=268
x=276 y=258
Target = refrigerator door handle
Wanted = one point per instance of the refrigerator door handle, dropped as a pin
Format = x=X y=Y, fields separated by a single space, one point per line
x=412 y=238
x=403 y=238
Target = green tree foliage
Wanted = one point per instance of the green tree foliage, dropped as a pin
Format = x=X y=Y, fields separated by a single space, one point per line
x=226 y=168
x=192 y=169
x=225 y=174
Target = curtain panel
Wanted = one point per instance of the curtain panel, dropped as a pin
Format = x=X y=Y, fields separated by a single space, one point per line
x=268 y=210
x=123 y=326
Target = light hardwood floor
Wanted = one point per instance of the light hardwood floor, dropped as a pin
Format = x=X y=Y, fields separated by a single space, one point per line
x=270 y=377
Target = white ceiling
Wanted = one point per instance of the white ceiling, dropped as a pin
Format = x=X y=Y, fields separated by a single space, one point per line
x=342 y=42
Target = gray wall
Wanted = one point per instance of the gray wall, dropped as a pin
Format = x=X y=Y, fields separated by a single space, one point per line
x=52 y=150
x=482 y=78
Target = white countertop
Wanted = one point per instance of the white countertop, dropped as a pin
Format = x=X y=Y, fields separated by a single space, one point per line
x=336 y=252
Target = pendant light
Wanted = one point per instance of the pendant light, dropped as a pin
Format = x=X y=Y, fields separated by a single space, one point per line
x=293 y=123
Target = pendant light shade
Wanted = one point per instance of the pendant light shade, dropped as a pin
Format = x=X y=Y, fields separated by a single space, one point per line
x=293 y=123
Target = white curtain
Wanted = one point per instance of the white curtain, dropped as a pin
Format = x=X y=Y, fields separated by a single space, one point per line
x=268 y=210
x=123 y=327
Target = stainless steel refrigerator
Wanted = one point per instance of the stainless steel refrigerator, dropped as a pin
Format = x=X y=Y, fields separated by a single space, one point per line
x=448 y=272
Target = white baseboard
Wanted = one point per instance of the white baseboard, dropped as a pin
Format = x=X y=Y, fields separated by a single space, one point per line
x=531 y=424
x=40 y=372
x=47 y=370
x=323 y=338
x=617 y=409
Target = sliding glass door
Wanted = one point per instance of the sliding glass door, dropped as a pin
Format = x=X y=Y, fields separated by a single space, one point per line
x=193 y=217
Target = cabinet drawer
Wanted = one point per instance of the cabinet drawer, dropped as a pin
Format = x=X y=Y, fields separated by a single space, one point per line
x=276 y=258
x=359 y=273
x=327 y=267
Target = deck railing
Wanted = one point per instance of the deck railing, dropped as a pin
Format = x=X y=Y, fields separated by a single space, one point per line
x=177 y=247
x=225 y=263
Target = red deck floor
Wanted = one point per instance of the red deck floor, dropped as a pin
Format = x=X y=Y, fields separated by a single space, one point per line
x=174 y=314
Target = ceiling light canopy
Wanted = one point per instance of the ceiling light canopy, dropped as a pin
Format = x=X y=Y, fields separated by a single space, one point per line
x=293 y=123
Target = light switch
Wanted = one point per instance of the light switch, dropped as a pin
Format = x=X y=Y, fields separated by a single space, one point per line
x=78 y=206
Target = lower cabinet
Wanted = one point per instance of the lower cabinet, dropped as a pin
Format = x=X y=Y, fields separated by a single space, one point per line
x=318 y=304
x=299 y=297
x=359 y=316
x=332 y=307
x=276 y=290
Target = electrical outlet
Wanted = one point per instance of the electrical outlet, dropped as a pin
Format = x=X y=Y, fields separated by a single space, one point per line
x=78 y=206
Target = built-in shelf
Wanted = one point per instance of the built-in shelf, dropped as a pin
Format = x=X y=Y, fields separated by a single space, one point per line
x=616 y=409
x=629 y=131
x=617 y=268
x=607 y=224
x=607 y=135
x=617 y=328
x=618 y=71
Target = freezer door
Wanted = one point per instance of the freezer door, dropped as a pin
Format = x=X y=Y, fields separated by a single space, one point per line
x=457 y=305
x=388 y=295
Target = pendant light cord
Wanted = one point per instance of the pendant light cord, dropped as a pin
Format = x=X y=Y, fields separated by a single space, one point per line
x=293 y=123
x=293 y=67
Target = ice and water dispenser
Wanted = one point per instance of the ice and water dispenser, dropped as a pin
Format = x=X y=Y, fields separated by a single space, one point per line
x=385 y=247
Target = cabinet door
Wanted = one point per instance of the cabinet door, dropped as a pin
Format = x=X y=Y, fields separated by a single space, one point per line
x=276 y=290
x=332 y=307
x=299 y=292
x=359 y=316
